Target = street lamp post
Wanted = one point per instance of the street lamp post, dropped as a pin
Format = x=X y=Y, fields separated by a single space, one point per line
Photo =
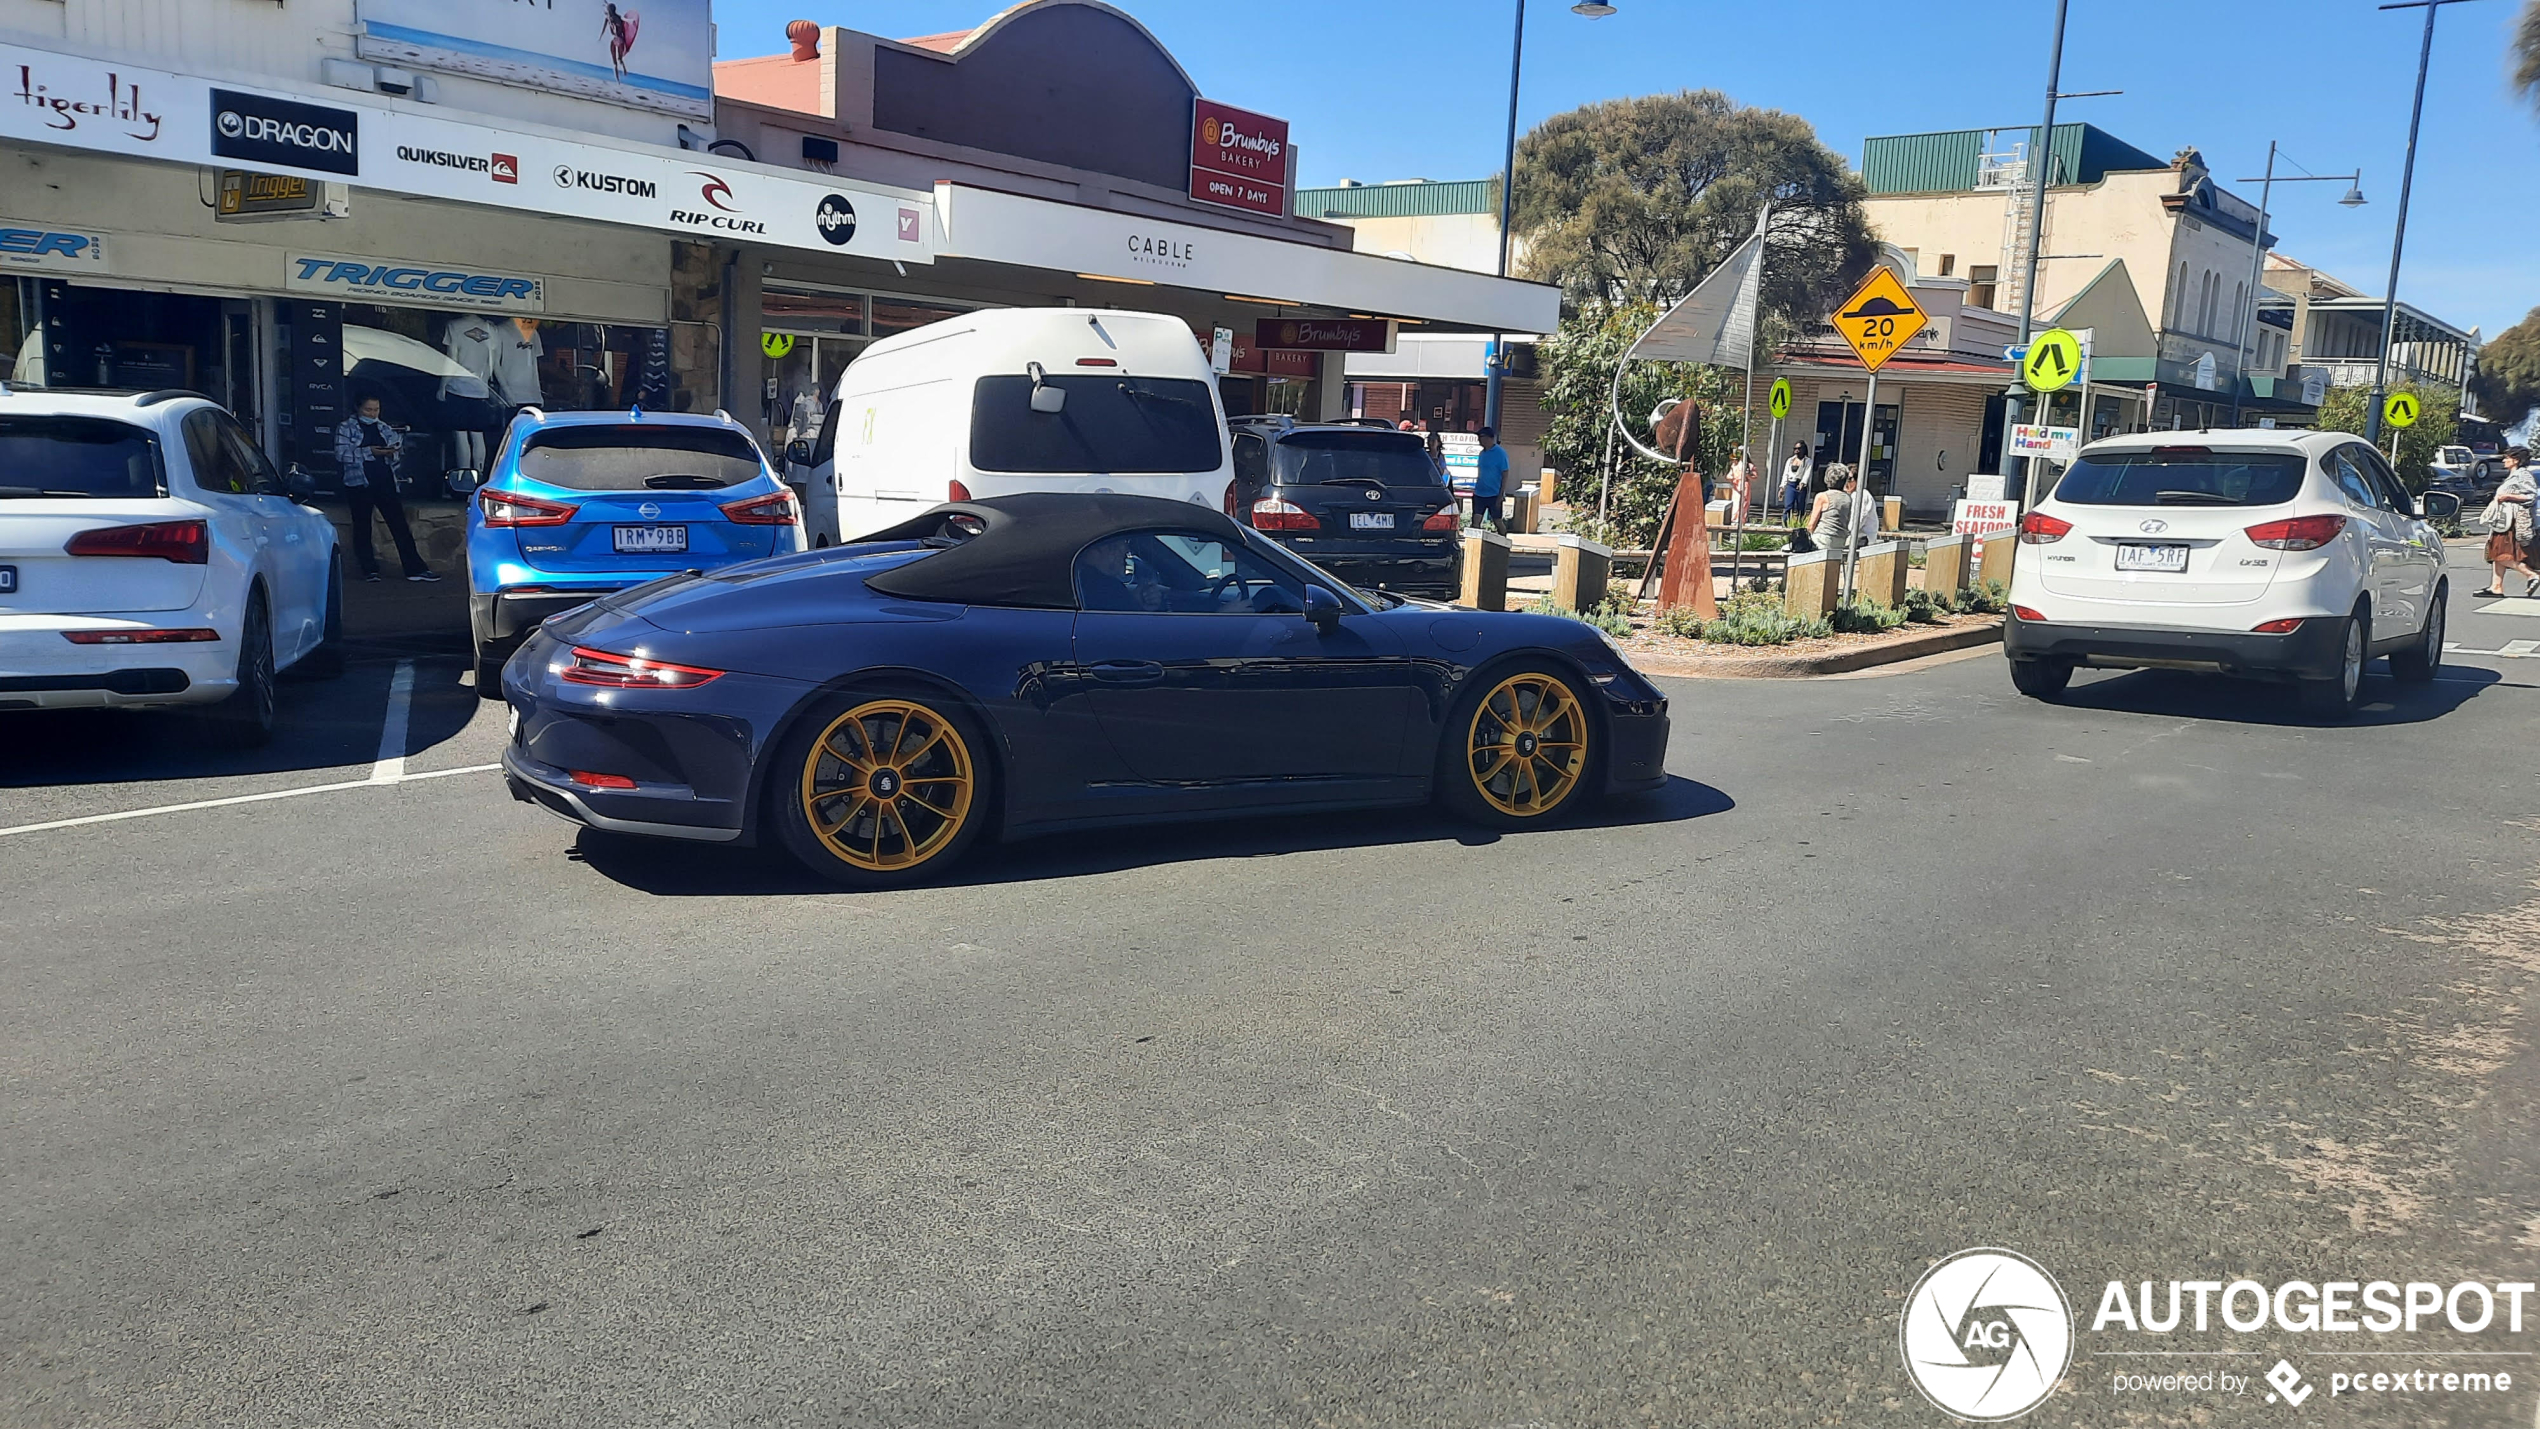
x=2399 y=234
x=1496 y=368
x=2258 y=252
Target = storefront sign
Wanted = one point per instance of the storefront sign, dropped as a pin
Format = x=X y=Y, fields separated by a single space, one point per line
x=2052 y=443
x=1983 y=518
x=1325 y=334
x=646 y=54
x=246 y=196
x=1239 y=159
x=1246 y=356
x=1984 y=486
x=375 y=280
x=86 y=104
x=34 y=246
x=264 y=130
x=1068 y=238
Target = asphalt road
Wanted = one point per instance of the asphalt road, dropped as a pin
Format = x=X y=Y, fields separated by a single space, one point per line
x=402 y=1104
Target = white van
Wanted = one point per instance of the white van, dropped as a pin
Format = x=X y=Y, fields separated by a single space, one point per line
x=1009 y=400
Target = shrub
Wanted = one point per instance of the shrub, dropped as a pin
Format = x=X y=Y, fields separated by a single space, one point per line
x=1925 y=607
x=1754 y=618
x=1860 y=616
x=1613 y=615
x=1678 y=622
x=1985 y=598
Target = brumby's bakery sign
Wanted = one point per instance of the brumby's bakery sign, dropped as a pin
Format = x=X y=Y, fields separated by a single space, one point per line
x=1239 y=159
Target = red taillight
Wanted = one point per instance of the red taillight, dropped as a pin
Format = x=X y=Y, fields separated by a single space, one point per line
x=1445 y=519
x=1233 y=505
x=2022 y=612
x=958 y=492
x=1097 y=362
x=2280 y=627
x=629 y=672
x=777 y=510
x=2301 y=533
x=188 y=543
x=138 y=637
x=505 y=508
x=2038 y=529
x=589 y=780
x=1272 y=514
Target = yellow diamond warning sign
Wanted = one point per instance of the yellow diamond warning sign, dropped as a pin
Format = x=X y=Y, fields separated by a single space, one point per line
x=1879 y=318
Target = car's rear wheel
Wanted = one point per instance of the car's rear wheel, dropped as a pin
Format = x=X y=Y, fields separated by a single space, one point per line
x=246 y=719
x=2418 y=662
x=327 y=660
x=2041 y=679
x=1519 y=750
x=2334 y=698
x=878 y=788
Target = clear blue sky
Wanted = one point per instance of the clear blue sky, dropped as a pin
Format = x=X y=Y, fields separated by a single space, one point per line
x=1380 y=89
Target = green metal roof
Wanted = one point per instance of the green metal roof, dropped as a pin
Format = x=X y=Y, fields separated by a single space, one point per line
x=1948 y=162
x=1417 y=200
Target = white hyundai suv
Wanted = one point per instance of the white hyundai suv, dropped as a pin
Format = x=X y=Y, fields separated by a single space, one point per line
x=149 y=555
x=2274 y=555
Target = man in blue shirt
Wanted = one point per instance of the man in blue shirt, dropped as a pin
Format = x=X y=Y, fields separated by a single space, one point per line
x=1490 y=481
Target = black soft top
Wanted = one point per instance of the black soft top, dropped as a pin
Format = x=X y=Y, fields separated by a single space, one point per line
x=1021 y=550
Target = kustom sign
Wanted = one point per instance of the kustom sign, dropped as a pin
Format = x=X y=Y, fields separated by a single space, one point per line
x=647 y=54
x=2051 y=443
x=121 y=109
x=1239 y=159
x=1983 y=518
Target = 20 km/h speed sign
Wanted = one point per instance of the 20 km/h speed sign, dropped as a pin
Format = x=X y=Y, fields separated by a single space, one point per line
x=2400 y=410
x=1779 y=401
x=2053 y=361
x=1879 y=318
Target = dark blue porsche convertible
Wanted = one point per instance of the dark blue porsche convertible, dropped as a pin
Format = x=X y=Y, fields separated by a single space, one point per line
x=1030 y=664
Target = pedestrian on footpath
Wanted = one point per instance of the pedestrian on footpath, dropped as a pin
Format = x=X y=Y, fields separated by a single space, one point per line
x=1795 y=480
x=1437 y=456
x=1835 y=521
x=1740 y=482
x=2509 y=545
x=1490 y=478
x=367 y=449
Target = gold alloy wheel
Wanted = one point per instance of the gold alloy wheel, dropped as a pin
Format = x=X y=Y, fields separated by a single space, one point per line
x=1528 y=746
x=887 y=785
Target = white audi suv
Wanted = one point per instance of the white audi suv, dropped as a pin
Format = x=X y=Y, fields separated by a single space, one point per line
x=2289 y=556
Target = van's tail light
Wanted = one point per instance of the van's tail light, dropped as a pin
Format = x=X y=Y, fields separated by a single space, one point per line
x=188 y=543
x=627 y=672
x=504 y=508
x=957 y=492
x=2285 y=626
x=2039 y=529
x=2301 y=533
x=1272 y=514
x=1444 y=519
x=777 y=510
x=139 y=637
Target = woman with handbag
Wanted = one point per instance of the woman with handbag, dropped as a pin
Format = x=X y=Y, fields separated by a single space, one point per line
x=2508 y=519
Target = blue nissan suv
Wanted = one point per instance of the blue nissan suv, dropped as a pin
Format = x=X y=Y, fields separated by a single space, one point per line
x=579 y=504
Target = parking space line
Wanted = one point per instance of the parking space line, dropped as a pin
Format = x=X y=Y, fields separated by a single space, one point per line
x=390 y=766
x=372 y=782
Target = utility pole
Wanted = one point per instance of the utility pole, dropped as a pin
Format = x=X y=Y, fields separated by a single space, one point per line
x=1497 y=363
x=2399 y=234
x=2040 y=165
x=2258 y=252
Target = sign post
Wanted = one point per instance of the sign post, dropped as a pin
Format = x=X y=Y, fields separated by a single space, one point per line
x=2053 y=361
x=1778 y=403
x=1878 y=319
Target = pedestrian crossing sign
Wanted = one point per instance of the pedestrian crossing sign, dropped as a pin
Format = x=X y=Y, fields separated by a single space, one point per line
x=1780 y=400
x=2053 y=361
x=2400 y=410
x=1879 y=318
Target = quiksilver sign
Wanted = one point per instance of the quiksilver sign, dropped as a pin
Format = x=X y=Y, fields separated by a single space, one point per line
x=263 y=130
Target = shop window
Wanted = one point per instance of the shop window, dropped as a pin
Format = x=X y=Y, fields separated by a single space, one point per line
x=894 y=315
x=785 y=308
x=1948 y=264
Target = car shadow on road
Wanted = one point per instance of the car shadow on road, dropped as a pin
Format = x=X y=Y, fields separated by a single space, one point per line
x=2383 y=701
x=325 y=724
x=672 y=869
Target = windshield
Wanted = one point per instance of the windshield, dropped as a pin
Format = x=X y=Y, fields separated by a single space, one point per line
x=1360 y=458
x=640 y=457
x=2183 y=476
x=1110 y=426
x=78 y=456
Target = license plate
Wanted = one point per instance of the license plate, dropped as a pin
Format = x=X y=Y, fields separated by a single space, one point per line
x=651 y=539
x=2152 y=558
x=8 y=580
x=1371 y=520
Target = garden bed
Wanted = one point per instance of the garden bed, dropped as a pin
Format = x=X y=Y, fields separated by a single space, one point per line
x=1656 y=654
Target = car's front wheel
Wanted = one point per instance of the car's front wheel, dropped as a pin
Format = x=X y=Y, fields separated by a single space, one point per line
x=2334 y=698
x=1518 y=750
x=246 y=719
x=874 y=789
x=2417 y=664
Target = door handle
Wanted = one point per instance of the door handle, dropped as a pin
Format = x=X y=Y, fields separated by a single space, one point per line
x=1127 y=672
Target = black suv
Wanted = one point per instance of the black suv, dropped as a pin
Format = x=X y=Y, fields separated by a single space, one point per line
x=1361 y=502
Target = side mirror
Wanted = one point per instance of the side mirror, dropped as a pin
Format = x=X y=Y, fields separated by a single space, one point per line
x=465 y=481
x=298 y=484
x=798 y=451
x=2438 y=506
x=1322 y=608
x=1049 y=401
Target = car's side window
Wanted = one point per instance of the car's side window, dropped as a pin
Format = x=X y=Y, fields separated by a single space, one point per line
x=2351 y=480
x=2385 y=482
x=217 y=469
x=243 y=455
x=1182 y=573
x=1252 y=460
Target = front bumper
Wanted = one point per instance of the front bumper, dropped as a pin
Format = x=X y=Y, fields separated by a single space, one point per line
x=1636 y=733
x=2313 y=651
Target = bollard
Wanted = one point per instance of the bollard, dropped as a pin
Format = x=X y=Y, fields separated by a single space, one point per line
x=1521 y=511
x=1945 y=565
x=1995 y=563
x=1550 y=484
x=1580 y=569
x=1811 y=583
x=1892 y=508
x=1715 y=515
x=1880 y=573
x=1485 y=570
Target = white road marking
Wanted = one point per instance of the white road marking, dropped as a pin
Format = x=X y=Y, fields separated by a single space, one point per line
x=2511 y=605
x=390 y=766
x=369 y=783
x=2519 y=647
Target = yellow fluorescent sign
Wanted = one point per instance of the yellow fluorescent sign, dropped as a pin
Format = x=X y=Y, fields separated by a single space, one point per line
x=1879 y=318
x=2054 y=359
